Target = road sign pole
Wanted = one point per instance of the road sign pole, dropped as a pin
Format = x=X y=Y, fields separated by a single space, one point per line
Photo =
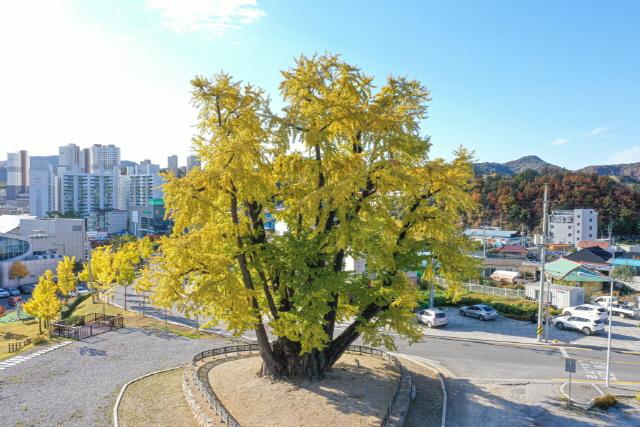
x=569 y=388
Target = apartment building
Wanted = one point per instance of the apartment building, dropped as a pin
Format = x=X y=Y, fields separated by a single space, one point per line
x=572 y=226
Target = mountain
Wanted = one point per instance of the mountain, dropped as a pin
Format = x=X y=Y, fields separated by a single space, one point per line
x=514 y=167
x=631 y=170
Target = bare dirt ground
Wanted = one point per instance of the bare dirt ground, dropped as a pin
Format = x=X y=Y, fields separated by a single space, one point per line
x=348 y=396
x=156 y=401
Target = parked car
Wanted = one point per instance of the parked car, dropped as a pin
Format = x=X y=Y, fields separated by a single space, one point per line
x=481 y=311
x=432 y=317
x=622 y=309
x=4 y=293
x=587 y=324
x=14 y=292
x=603 y=300
x=586 y=310
x=26 y=289
x=82 y=290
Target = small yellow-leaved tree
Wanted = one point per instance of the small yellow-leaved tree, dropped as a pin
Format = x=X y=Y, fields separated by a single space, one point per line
x=125 y=262
x=99 y=272
x=44 y=303
x=66 y=278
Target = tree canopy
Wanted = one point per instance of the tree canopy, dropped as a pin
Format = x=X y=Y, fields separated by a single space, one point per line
x=343 y=173
x=66 y=277
x=44 y=303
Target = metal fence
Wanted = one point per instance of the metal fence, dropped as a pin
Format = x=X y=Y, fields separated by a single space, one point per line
x=87 y=326
x=487 y=290
x=200 y=376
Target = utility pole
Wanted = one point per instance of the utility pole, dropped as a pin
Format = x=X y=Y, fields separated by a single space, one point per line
x=542 y=258
x=611 y=282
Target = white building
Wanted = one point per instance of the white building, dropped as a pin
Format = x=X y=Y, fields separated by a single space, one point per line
x=41 y=189
x=138 y=190
x=18 y=165
x=110 y=222
x=146 y=167
x=71 y=158
x=105 y=159
x=572 y=226
x=83 y=193
x=66 y=235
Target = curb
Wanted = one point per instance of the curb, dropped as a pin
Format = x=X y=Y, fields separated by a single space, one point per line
x=539 y=344
x=124 y=387
x=443 y=419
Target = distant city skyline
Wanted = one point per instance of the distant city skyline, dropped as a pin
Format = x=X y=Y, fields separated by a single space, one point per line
x=554 y=79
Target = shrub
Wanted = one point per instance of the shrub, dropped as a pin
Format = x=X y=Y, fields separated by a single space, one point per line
x=605 y=402
x=69 y=308
x=40 y=339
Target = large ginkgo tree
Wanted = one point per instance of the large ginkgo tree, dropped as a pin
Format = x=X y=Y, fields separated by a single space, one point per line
x=345 y=174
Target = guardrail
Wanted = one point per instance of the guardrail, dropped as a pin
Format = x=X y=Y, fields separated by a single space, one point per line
x=200 y=376
x=488 y=290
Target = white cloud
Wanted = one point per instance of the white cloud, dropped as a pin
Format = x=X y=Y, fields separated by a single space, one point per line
x=65 y=80
x=630 y=155
x=600 y=131
x=559 y=141
x=213 y=16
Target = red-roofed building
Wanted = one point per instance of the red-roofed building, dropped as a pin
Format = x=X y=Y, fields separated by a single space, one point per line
x=584 y=244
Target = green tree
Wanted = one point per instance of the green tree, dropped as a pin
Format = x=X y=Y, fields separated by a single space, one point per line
x=18 y=271
x=44 y=303
x=66 y=277
x=353 y=173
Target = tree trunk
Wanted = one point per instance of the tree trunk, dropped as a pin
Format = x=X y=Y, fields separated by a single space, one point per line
x=289 y=363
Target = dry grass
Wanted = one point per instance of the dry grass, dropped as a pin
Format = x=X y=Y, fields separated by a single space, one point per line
x=135 y=320
x=17 y=331
x=156 y=401
x=350 y=395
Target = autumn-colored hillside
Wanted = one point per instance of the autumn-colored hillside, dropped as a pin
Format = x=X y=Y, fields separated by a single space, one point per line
x=516 y=201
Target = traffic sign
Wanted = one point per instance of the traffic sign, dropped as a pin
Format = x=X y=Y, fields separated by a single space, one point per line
x=570 y=365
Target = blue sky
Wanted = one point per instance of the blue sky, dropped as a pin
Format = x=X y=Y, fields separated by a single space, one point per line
x=508 y=78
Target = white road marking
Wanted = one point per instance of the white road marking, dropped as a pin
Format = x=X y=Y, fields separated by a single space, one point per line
x=19 y=359
x=564 y=352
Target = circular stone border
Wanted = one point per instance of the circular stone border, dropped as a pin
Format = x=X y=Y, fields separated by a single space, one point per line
x=124 y=388
x=394 y=416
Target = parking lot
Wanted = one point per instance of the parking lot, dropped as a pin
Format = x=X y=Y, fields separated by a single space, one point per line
x=626 y=333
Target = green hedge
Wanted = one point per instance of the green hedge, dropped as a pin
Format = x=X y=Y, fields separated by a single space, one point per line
x=70 y=307
x=513 y=308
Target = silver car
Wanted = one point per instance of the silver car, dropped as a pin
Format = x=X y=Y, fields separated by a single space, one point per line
x=479 y=311
x=432 y=317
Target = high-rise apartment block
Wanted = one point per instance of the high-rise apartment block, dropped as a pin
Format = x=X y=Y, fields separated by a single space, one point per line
x=105 y=159
x=18 y=165
x=172 y=163
x=83 y=193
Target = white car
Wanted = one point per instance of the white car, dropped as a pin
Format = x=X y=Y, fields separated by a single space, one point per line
x=586 y=310
x=586 y=324
x=432 y=317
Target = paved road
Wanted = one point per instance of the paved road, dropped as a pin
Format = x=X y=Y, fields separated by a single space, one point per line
x=499 y=383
